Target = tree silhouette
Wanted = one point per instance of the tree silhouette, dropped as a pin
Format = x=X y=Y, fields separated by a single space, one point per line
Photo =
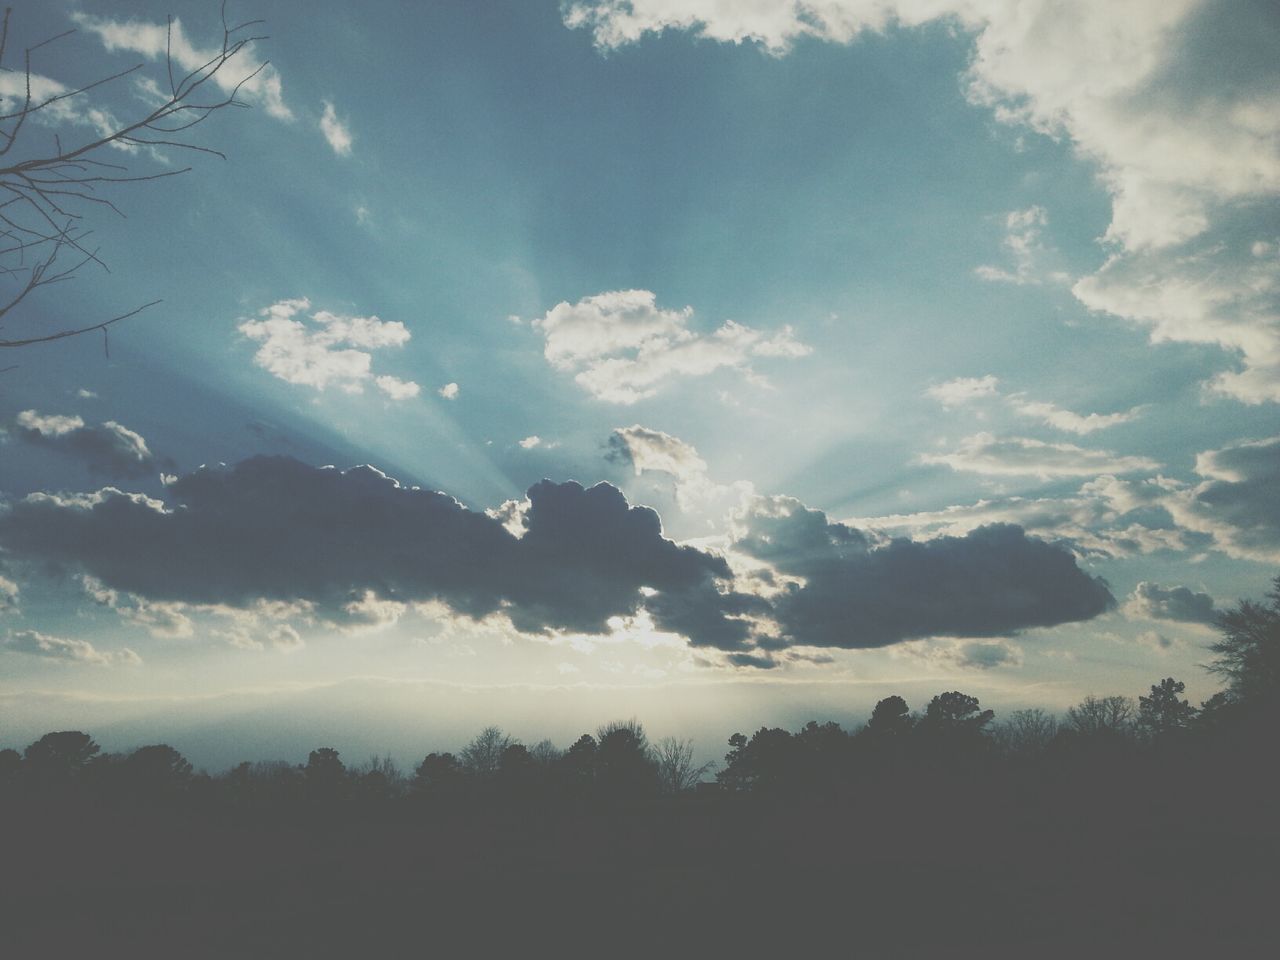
x=439 y=774
x=545 y=753
x=10 y=767
x=380 y=777
x=1248 y=652
x=677 y=772
x=156 y=769
x=1162 y=713
x=325 y=773
x=623 y=765
x=766 y=763
x=60 y=757
x=483 y=755
x=579 y=761
x=1026 y=732
x=891 y=717
x=48 y=186
x=1108 y=717
x=954 y=713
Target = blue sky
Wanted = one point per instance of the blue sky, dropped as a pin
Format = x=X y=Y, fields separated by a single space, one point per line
x=831 y=286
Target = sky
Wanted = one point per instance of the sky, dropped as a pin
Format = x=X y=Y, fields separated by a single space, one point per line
x=542 y=363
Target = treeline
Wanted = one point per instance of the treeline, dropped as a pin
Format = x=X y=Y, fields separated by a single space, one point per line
x=952 y=737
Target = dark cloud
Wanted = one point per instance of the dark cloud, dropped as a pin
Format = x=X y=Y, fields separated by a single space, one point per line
x=976 y=655
x=275 y=529
x=858 y=593
x=1171 y=603
x=108 y=448
x=349 y=543
x=760 y=661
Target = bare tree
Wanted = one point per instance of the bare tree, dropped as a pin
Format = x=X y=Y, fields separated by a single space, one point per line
x=1026 y=732
x=483 y=755
x=545 y=752
x=47 y=186
x=674 y=759
x=1102 y=715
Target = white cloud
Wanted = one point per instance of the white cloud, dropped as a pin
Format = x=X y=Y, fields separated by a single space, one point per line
x=397 y=389
x=622 y=346
x=48 y=425
x=335 y=132
x=325 y=352
x=151 y=40
x=528 y=443
x=1060 y=419
x=1020 y=456
x=84 y=394
x=449 y=391
x=67 y=650
x=961 y=390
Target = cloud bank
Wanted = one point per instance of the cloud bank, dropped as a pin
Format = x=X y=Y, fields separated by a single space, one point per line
x=344 y=547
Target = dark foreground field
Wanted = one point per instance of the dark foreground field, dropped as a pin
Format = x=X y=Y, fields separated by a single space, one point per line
x=1141 y=859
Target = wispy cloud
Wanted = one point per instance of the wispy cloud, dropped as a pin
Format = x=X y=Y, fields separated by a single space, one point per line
x=961 y=390
x=335 y=131
x=1021 y=456
x=1027 y=252
x=67 y=649
x=1108 y=517
x=1054 y=416
x=152 y=40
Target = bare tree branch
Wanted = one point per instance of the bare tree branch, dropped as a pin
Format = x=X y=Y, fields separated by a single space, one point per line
x=45 y=194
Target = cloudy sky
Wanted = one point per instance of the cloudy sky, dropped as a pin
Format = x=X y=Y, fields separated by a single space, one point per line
x=723 y=364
